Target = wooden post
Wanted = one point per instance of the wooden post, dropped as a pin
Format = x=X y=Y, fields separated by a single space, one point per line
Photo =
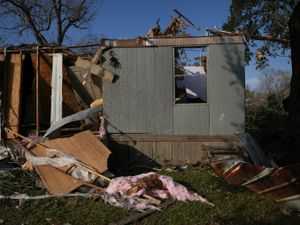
x=37 y=73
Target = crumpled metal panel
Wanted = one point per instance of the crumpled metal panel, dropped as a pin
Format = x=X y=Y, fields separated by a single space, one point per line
x=281 y=184
x=73 y=118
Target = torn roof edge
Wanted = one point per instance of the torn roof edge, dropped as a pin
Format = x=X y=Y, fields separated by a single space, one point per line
x=136 y=42
x=173 y=41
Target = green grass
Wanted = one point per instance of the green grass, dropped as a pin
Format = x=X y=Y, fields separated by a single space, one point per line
x=234 y=205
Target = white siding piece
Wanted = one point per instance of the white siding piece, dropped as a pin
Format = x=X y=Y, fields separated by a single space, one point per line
x=56 y=87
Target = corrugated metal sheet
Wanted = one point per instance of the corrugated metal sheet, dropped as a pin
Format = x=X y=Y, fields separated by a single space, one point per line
x=279 y=184
x=226 y=89
x=252 y=147
x=140 y=101
x=81 y=115
x=173 y=41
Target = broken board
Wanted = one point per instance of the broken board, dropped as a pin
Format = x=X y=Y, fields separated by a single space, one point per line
x=85 y=147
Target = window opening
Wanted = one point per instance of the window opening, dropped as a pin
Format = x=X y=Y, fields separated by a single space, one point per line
x=191 y=75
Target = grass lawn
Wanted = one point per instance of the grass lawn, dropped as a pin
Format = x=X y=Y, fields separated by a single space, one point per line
x=234 y=205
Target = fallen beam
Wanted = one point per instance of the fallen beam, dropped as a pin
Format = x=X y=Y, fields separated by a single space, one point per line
x=139 y=216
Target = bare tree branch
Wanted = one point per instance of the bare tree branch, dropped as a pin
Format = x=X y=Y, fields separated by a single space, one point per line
x=45 y=18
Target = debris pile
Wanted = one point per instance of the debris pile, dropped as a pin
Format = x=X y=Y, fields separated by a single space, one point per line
x=79 y=163
x=72 y=160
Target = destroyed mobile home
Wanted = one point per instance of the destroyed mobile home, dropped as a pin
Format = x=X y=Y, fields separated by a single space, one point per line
x=154 y=100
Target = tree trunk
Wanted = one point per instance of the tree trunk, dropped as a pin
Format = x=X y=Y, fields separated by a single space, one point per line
x=293 y=102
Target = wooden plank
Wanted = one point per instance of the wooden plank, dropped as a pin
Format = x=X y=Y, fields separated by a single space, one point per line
x=170 y=152
x=56 y=88
x=94 y=69
x=91 y=91
x=196 y=152
x=163 y=152
x=178 y=152
x=146 y=148
x=173 y=138
x=139 y=216
x=37 y=91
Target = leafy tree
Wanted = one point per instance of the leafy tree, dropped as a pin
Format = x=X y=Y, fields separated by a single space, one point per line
x=263 y=20
x=47 y=21
x=266 y=118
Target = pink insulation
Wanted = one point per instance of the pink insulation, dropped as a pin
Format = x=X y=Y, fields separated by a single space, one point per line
x=152 y=184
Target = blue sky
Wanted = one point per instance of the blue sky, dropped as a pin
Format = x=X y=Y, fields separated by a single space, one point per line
x=132 y=18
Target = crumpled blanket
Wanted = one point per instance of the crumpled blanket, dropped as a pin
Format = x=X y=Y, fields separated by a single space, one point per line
x=153 y=184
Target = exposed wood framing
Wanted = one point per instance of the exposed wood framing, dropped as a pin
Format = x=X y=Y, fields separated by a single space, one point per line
x=37 y=107
x=12 y=90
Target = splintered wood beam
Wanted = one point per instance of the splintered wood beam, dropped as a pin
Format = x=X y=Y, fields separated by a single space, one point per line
x=37 y=74
x=92 y=68
x=140 y=216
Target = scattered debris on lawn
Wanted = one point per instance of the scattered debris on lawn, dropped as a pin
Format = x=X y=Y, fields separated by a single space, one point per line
x=281 y=184
x=73 y=165
x=138 y=216
x=68 y=164
x=27 y=197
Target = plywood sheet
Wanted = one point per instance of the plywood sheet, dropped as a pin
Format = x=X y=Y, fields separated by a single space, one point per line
x=83 y=146
x=56 y=181
x=12 y=91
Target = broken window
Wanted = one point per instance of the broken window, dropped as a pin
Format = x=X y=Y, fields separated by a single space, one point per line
x=191 y=75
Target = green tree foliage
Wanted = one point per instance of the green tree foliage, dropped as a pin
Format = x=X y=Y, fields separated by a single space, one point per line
x=263 y=20
x=266 y=118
